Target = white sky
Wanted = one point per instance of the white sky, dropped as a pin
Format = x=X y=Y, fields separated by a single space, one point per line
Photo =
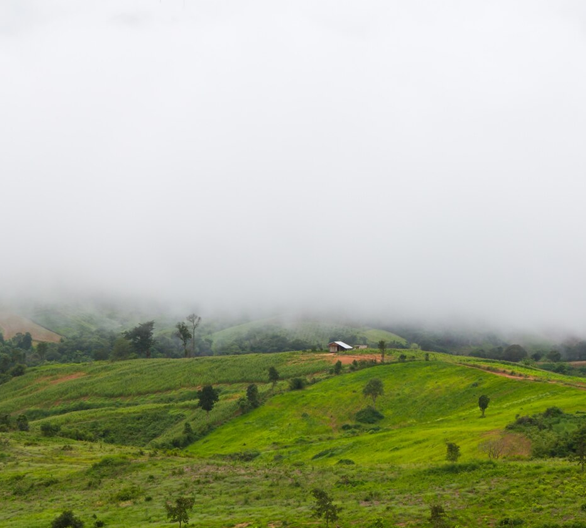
x=419 y=158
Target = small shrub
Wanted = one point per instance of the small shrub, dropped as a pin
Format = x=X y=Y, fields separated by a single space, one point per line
x=48 y=429
x=67 y=520
x=511 y=521
x=297 y=383
x=369 y=416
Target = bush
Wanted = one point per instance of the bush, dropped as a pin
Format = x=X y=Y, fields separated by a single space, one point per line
x=67 y=520
x=297 y=383
x=48 y=429
x=17 y=370
x=511 y=521
x=369 y=416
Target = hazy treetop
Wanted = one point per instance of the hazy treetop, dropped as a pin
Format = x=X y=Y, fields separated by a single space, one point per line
x=415 y=158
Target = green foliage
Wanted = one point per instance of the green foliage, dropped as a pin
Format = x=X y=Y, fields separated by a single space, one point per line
x=122 y=349
x=373 y=389
x=141 y=337
x=252 y=395
x=296 y=384
x=483 y=402
x=273 y=375
x=22 y=422
x=67 y=520
x=452 y=452
x=514 y=353
x=369 y=416
x=437 y=516
x=17 y=370
x=208 y=397
x=324 y=507
x=382 y=347
x=49 y=429
x=338 y=367
x=184 y=335
x=178 y=511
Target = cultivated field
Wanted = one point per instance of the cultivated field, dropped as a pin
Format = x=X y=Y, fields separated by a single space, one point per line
x=12 y=324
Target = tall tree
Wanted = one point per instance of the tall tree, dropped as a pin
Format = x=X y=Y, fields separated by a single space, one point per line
x=208 y=396
x=373 y=389
x=184 y=334
x=141 y=337
x=194 y=320
x=382 y=346
x=483 y=402
x=252 y=395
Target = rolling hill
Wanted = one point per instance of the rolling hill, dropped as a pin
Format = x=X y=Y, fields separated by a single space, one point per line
x=313 y=333
x=257 y=469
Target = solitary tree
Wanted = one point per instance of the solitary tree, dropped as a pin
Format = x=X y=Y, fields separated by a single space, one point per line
x=252 y=395
x=208 y=396
x=141 y=337
x=382 y=346
x=452 y=452
x=273 y=376
x=373 y=389
x=338 y=367
x=179 y=511
x=194 y=320
x=184 y=334
x=324 y=507
x=483 y=402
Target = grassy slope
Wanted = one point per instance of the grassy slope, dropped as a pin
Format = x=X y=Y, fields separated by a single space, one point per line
x=399 y=469
x=425 y=404
x=312 y=332
x=39 y=479
x=83 y=395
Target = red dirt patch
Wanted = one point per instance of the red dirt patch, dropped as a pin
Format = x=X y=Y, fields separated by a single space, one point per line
x=346 y=359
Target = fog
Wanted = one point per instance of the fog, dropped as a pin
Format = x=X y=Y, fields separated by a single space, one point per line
x=421 y=160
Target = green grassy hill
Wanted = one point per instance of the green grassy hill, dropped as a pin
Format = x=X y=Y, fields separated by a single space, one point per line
x=257 y=469
x=141 y=401
x=425 y=404
x=311 y=332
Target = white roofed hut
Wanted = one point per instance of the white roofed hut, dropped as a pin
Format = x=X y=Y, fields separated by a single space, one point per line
x=339 y=346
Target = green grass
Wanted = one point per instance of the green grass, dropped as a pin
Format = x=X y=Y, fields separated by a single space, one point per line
x=425 y=404
x=96 y=396
x=398 y=470
x=39 y=478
